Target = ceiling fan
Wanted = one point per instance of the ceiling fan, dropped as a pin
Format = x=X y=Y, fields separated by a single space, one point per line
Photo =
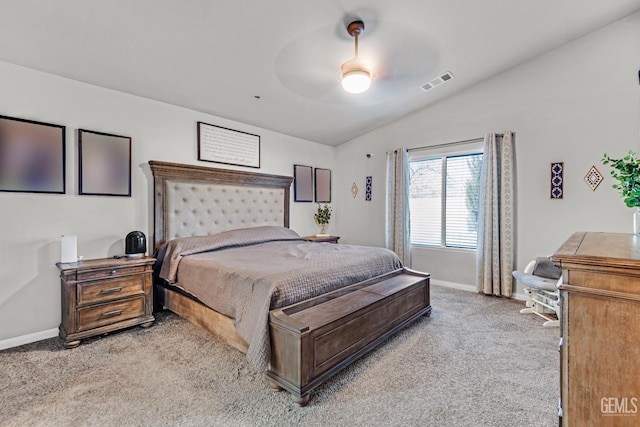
x=395 y=61
x=356 y=76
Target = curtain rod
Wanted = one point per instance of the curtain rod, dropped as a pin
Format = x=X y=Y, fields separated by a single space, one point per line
x=449 y=144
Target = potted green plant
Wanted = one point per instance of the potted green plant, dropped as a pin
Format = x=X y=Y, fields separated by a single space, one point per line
x=322 y=217
x=627 y=172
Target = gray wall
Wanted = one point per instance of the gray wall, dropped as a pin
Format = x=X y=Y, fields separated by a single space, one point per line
x=570 y=105
x=32 y=224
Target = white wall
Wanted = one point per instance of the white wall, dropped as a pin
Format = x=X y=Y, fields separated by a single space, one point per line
x=31 y=224
x=571 y=105
x=568 y=105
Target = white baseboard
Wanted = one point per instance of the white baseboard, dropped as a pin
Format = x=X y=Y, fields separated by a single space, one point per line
x=454 y=285
x=28 y=339
x=470 y=288
x=520 y=297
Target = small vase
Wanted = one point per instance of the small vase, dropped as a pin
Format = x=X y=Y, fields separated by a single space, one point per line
x=636 y=221
x=323 y=228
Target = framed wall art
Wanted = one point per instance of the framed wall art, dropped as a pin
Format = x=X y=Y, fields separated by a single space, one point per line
x=354 y=190
x=221 y=145
x=302 y=183
x=32 y=156
x=323 y=185
x=557 y=180
x=593 y=178
x=104 y=164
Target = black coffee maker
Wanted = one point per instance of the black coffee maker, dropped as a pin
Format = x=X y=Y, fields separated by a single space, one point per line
x=135 y=244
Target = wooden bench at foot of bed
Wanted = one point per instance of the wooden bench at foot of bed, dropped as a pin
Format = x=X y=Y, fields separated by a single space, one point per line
x=313 y=340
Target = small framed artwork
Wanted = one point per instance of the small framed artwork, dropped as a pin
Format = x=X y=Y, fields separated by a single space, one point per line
x=593 y=178
x=323 y=185
x=232 y=147
x=32 y=156
x=104 y=164
x=557 y=180
x=302 y=183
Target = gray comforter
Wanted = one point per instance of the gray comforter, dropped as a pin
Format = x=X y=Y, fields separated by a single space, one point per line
x=247 y=272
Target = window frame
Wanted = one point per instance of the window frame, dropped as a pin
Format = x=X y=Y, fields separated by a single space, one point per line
x=430 y=154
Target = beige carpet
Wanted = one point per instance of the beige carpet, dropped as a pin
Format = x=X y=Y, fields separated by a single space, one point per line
x=475 y=362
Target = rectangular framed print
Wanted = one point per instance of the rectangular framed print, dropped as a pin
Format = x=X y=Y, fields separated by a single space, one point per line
x=228 y=146
x=323 y=185
x=32 y=156
x=302 y=183
x=557 y=180
x=104 y=164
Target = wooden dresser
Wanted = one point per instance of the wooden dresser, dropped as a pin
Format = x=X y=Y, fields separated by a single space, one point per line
x=104 y=295
x=600 y=330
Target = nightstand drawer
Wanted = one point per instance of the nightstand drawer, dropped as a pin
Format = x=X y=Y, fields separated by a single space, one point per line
x=109 y=272
x=91 y=292
x=106 y=314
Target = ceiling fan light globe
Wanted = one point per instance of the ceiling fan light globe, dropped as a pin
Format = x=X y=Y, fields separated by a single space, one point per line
x=356 y=81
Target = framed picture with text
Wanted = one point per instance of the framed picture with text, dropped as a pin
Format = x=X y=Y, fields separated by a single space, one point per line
x=221 y=145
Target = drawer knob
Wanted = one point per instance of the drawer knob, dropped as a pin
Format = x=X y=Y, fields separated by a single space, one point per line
x=111 y=313
x=110 y=290
x=113 y=272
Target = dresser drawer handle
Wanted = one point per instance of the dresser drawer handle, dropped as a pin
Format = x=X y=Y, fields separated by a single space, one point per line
x=113 y=272
x=110 y=290
x=112 y=313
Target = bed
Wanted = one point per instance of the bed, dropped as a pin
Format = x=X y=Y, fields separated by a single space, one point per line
x=303 y=311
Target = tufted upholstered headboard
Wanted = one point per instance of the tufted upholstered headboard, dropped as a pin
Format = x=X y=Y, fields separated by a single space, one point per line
x=192 y=200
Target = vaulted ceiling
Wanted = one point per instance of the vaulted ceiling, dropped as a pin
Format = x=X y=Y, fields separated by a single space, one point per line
x=275 y=63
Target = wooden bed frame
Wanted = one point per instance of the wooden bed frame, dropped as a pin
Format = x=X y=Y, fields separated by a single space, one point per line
x=167 y=175
x=311 y=340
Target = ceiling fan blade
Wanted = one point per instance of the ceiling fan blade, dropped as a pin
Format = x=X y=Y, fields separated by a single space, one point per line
x=310 y=64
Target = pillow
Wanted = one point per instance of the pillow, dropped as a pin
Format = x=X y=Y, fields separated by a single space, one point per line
x=546 y=268
x=531 y=281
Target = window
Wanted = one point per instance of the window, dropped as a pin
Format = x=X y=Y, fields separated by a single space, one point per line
x=443 y=200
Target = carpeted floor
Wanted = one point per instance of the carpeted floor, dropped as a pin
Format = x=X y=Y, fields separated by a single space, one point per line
x=475 y=362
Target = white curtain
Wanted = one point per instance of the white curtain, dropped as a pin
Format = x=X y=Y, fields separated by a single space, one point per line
x=397 y=223
x=496 y=221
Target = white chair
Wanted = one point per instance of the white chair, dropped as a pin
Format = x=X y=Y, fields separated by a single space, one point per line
x=541 y=279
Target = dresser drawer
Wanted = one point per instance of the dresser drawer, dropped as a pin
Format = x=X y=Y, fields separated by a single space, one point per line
x=92 y=292
x=106 y=314
x=105 y=273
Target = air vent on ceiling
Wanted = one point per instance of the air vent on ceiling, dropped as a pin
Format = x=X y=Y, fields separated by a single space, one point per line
x=437 y=81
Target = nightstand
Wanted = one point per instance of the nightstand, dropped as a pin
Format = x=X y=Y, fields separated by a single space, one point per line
x=328 y=239
x=104 y=295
